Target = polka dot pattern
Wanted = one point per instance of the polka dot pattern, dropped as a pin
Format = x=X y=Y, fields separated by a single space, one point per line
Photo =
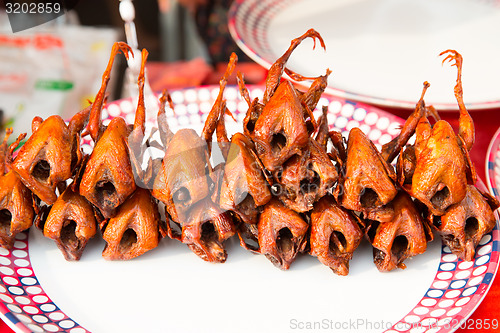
x=457 y=289
x=23 y=300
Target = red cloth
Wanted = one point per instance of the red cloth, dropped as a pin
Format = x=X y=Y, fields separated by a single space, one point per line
x=486 y=123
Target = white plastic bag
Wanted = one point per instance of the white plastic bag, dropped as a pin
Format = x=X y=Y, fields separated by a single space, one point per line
x=50 y=69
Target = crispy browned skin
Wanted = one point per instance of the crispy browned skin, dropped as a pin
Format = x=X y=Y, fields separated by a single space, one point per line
x=185 y=173
x=323 y=133
x=281 y=130
x=391 y=149
x=51 y=155
x=311 y=97
x=367 y=181
x=16 y=201
x=338 y=152
x=134 y=229
x=442 y=167
x=465 y=223
x=244 y=188
x=401 y=236
x=108 y=178
x=279 y=125
x=186 y=182
x=183 y=180
x=71 y=223
x=206 y=229
x=335 y=234
x=281 y=234
x=407 y=161
x=305 y=179
x=276 y=148
x=439 y=179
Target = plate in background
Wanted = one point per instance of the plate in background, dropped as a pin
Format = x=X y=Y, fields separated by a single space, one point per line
x=381 y=51
x=493 y=165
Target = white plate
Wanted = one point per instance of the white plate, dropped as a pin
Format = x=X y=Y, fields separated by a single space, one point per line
x=169 y=289
x=493 y=165
x=381 y=51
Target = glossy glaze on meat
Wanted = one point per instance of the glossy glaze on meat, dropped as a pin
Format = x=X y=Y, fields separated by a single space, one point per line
x=16 y=200
x=289 y=184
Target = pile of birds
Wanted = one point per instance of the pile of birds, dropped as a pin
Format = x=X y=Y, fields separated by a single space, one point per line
x=288 y=185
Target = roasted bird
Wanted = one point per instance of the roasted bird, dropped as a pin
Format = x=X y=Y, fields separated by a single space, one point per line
x=464 y=224
x=367 y=180
x=335 y=234
x=244 y=187
x=282 y=234
x=439 y=164
x=183 y=186
x=397 y=235
x=71 y=223
x=186 y=182
x=185 y=177
x=51 y=155
x=108 y=178
x=16 y=200
x=280 y=127
x=134 y=229
x=305 y=179
x=206 y=230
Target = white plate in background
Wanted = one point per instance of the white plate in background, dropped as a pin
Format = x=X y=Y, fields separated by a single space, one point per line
x=381 y=51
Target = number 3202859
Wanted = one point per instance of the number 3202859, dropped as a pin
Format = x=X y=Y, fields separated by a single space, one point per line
x=475 y=324
x=33 y=8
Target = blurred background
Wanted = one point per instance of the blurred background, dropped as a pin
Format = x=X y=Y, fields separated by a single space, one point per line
x=56 y=67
